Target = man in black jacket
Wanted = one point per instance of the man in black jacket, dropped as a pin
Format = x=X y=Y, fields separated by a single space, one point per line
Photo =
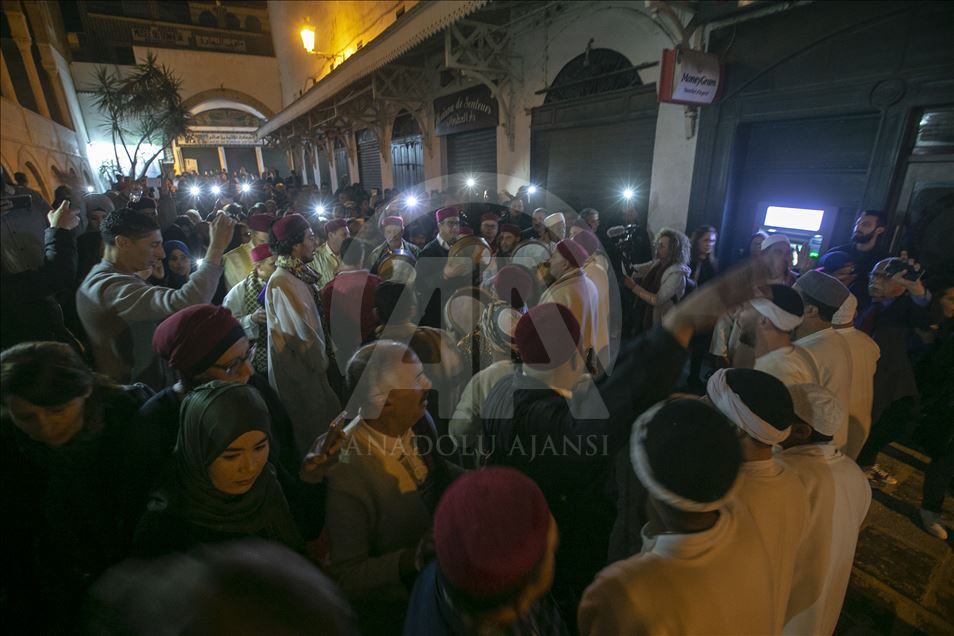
x=29 y=311
x=438 y=277
x=898 y=306
x=865 y=250
x=552 y=422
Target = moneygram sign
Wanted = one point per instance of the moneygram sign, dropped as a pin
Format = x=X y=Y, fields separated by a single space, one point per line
x=689 y=77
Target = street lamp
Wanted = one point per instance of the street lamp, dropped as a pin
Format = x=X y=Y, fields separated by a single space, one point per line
x=307 y=34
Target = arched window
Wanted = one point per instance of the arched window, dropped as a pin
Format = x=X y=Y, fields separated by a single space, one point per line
x=232 y=21
x=591 y=73
x=38 y=182
x=253 y=24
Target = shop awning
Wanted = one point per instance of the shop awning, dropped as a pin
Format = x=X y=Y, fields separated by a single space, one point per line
x=422 y=21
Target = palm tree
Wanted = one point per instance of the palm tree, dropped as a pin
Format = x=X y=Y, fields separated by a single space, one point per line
x=141 y=107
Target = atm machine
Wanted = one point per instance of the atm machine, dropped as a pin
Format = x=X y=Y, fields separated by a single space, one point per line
x=808 y=229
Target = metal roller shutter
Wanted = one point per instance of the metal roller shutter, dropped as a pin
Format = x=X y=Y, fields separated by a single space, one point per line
x=369 y=160
x=473 y=153
x=237 y=157
x=585 y=151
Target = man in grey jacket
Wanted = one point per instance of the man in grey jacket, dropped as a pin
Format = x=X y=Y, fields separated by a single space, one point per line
x=119 y=310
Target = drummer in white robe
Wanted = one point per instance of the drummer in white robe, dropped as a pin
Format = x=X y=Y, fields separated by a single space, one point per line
x=761 y=408
x=574 y=289
x=297 y=359
x=839 y=496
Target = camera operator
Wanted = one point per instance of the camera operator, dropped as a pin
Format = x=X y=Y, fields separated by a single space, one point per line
x=627 y=245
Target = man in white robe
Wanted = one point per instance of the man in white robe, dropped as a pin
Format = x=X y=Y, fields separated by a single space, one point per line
x=761 y=407
x=823 y=295
x=865 y=353
x=767 y=325
x=839 y=496
x=574 y=289
x=297 y=359
x=596 y=269
x=704 y=568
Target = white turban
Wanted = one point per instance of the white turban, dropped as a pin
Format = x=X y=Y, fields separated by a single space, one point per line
x=773 y=239
x=553 y=219
x=731 y=405
x=640 y=460
x=846 y=313
x=818 y=407
x=782 y=319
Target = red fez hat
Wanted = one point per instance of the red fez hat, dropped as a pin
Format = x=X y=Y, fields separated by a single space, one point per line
x=446 y=213
x=334 y=225
x=588 y=241
x=547 y=336
x=573 y=252
x=287 y=225
x=392 y=220
x=466 y=231
x=260 y=222
x=261 y=252
x=489 y=216
x=510 y=279
x=490 y=531
x=510 y=228
x=191 y=340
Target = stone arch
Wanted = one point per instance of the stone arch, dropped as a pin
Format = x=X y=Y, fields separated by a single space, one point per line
x=227 y=98
x=592 y=72
x=253 y=24
x=28 y=163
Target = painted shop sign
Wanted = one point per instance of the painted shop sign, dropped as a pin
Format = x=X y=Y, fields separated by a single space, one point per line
x=195 y=138
x=470 y=109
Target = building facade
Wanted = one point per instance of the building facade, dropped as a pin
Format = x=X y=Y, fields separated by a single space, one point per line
x=819 y=105
x=42 y=129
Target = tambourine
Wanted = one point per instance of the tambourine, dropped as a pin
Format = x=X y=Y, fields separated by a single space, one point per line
x=498 y=324
x=399 y=266
x=463 y=310
x=530 y=254
x=473 y=247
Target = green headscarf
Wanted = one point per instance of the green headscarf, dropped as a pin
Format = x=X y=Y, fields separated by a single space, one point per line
x=212 y=417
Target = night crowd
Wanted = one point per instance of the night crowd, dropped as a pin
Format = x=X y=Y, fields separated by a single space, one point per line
x=240 y=404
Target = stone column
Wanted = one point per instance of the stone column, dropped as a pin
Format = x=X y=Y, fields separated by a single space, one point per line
x=222 y=163
x=314 y=159
x=49 y=64
x=302 y=172
x=259 y=160
x=6 y=83
x=21 y=35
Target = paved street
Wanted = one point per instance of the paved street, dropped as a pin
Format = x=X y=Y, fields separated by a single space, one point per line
x=903 y=579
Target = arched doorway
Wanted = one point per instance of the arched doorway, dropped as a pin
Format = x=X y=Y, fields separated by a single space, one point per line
x=407 y=151
x=593 y=136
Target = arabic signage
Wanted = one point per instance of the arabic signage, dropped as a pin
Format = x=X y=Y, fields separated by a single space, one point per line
x=186 y=38
x=470 y=109
x=218 y=138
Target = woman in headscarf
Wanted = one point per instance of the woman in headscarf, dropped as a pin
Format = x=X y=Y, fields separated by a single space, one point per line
x=663 y=279
x=220 y=486
x=63 y=489
x=178 y=264
x=200 y=343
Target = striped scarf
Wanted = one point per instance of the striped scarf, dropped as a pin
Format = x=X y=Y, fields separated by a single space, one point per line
x=252 y=288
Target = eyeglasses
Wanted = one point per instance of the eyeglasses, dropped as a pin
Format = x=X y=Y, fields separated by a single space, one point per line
x=233 y=367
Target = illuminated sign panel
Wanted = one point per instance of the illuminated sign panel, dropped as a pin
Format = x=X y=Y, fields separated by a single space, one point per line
x=804 y=219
